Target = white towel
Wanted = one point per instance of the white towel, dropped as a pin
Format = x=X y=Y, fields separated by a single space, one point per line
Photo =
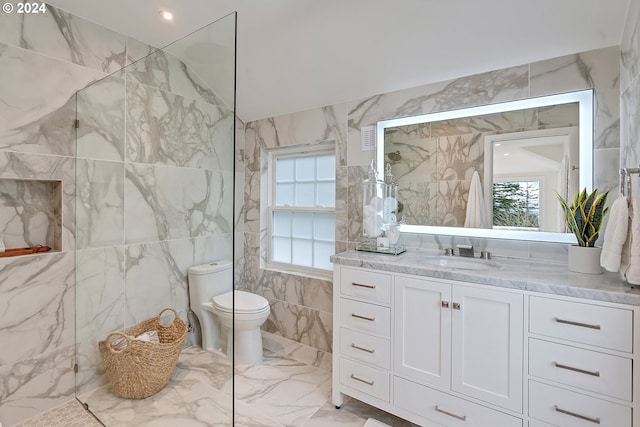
x=563 y=191
x=615 y=235
x=475 y=204
x=633 y=272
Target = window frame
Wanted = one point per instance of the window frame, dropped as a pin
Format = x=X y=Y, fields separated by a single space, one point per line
x=294 y=151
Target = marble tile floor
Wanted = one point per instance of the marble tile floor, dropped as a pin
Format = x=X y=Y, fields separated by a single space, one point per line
x=281 y=392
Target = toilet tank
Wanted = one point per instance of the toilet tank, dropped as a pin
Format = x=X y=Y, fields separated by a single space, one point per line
x=209 y=280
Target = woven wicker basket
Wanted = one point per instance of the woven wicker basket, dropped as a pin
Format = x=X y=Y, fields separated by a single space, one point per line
x=143 y=368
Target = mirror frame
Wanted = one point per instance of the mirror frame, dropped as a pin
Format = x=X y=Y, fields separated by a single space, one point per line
x=584 y=98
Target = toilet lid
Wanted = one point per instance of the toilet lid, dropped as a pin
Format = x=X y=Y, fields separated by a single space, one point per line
x=245 y=302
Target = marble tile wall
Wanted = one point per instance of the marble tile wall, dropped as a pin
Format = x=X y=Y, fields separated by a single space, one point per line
x=147 y=191
x=299 y=311
x=630 y=89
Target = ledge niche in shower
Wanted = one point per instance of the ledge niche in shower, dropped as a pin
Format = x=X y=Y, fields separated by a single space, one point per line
x=31 y=213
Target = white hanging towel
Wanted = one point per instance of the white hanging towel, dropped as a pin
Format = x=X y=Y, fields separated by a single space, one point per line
x=615 y=235
x=633 y=272
x=475 y=204
x=563 y=191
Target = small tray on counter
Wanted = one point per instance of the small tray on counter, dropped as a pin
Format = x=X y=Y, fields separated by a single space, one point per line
x=371 y=246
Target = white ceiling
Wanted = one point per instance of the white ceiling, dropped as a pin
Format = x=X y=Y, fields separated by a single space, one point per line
x=295 y=55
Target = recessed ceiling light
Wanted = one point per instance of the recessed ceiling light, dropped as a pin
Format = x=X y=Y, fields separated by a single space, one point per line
x=166 y=15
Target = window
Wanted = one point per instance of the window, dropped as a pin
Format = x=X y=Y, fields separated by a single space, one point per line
x=517 y=203
x=301 y=208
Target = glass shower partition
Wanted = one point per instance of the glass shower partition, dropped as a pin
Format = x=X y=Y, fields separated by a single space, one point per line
x=154 y=196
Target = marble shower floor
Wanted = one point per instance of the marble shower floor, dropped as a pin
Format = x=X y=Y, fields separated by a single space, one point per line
x=281 y=392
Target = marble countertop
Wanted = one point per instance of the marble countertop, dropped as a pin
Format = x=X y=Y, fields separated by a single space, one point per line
x=529 y=275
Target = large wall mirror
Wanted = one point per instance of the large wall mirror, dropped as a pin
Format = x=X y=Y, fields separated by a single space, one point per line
x=491 y=171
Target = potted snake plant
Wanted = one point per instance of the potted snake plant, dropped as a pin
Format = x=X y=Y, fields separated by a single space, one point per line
x=584 y=218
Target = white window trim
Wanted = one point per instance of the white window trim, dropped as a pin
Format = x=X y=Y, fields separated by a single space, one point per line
x=327 y=147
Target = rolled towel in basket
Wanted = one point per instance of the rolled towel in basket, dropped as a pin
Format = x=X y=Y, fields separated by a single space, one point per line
x=121 y=343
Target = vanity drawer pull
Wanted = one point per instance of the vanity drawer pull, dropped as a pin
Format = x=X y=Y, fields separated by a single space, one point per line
x=582 y=371
x=573 y=414
x=357 y=347
x=358 y=316
x=460 y=417
x=445 y=304
x=582 y=325
x=456 y=306
x=363 y=285
x=367 y=382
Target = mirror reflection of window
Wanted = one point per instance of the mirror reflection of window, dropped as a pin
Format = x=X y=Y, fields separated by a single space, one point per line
x=516 y=204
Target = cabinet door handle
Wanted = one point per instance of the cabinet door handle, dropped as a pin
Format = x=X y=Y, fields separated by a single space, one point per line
x=573 y=414
x=460 y=417
x=368 y=350
x=456 y=306
x=582 y=371
x=445 y=304
x=358 y=316
x=582 y=325
x=367 y=382
x=362 y=285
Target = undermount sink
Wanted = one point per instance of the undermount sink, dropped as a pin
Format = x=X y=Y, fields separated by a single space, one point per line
x=460 y=263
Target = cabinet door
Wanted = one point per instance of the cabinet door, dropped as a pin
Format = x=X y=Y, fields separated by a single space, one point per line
x=487 y=345
x=422 y=338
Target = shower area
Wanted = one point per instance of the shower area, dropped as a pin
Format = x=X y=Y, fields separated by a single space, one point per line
x=155 y=181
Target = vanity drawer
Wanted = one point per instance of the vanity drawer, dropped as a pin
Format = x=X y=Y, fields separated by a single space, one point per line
x=445 y=409
x=589 y=370
x=366 y=348
x=364 y=378
x=568 y=409
x=365 y=284
x=364 y=317
x=596 y=325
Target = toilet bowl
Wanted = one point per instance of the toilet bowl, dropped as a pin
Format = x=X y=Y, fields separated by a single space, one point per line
x=217 y=306
x=246 y=313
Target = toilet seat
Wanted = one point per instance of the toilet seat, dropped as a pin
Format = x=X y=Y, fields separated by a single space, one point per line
x=245 y=302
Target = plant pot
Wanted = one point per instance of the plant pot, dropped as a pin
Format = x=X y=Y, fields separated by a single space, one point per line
x=585 y=259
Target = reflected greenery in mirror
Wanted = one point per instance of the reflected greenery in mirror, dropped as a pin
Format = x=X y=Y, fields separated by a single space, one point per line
x=523 y=152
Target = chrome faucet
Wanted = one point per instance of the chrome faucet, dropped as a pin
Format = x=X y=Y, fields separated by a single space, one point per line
x=466 y=251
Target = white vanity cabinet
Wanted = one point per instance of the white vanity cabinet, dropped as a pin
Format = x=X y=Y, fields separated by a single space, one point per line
x=425 y=347
x=441 y=352
x=580 y=363
x=465 y=338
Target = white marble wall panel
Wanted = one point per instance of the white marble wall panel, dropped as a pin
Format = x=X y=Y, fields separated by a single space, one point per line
x=34 y=385
x=61 y=35
x=37 y=294
x=136 y=50
x=630 y=85
x=100 y=112
x=630 y=46
x=29 y=213
x=100 y=203
x=496 y=86
x=306 y=127
x=37 y=108
x=303 y=291
x=597 y=69
x=301 y=324
x=156 y=273
x=168 y=203
x=100 y=309
x=170 y=129
x=31 y=166
x=162 y=70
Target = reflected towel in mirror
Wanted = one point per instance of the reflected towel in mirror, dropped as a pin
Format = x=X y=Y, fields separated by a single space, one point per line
x=475 y=204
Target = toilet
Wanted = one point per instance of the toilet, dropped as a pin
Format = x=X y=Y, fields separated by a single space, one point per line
x=213 y=299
